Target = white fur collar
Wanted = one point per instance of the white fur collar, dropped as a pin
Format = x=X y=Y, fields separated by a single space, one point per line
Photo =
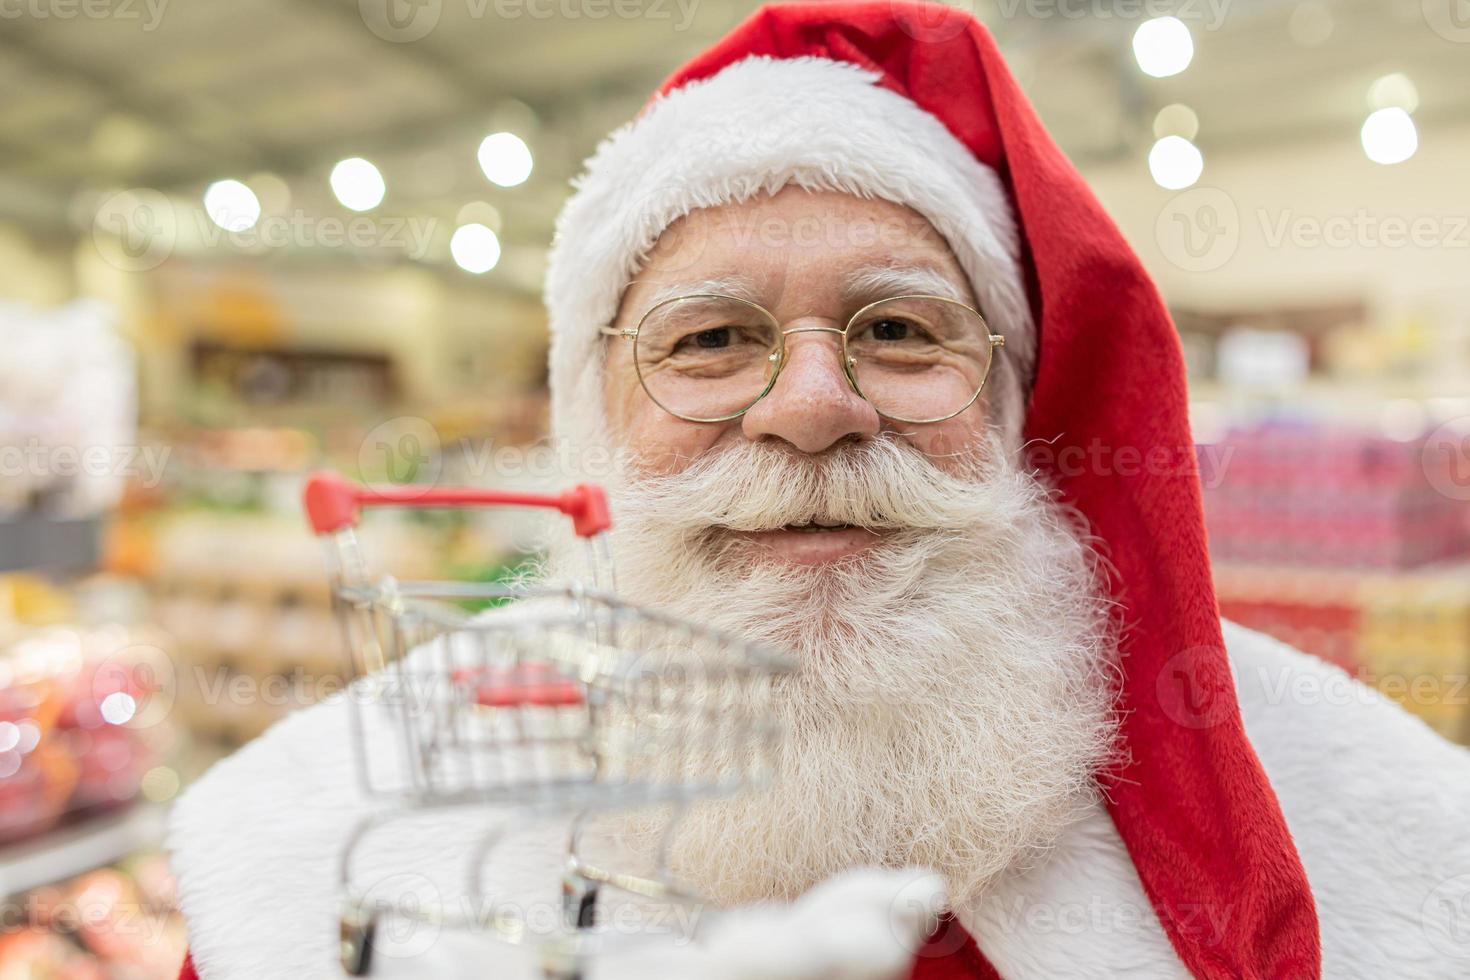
x=1377 y=804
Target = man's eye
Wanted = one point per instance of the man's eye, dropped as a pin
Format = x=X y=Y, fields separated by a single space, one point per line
x=718 y=337
x=890 y=329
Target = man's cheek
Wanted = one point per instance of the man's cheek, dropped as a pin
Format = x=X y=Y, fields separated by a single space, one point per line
x=946 y=443
x=662 y=446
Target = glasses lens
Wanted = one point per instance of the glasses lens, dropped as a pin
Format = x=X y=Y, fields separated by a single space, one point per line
x=706 y=357
x=919 y=359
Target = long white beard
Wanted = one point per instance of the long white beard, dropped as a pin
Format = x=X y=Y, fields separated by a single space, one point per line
x=953 y=699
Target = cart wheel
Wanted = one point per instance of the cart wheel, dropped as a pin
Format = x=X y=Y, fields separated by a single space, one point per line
x=579 y=901
x=560 y=962
x=357 y=930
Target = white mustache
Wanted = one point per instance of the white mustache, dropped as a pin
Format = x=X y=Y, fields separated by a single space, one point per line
x=883 y=484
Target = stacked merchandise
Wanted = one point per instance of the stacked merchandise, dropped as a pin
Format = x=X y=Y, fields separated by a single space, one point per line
x=1304 y=494
x=244 y=596
x=1344 y=545
x=239 y=583
x=68 y=411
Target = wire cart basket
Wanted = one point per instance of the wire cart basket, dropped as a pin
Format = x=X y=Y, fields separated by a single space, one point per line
x=562 y=701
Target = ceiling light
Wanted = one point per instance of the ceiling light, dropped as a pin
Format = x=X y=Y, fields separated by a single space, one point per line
x=1176 y=120
x=1389 y=136
x=1394 y=91
x=506 y=159
x=1175 y=163
x=475 y=248
x=1310 y=24
x=358 y=184
x=231 y=205
x=1163 y=46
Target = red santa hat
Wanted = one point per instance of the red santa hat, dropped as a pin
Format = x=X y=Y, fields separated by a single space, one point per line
x=912 y=103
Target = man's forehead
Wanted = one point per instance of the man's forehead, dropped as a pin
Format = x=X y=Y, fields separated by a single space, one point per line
x=830 y=246
x=795 y=218
x=854 y=279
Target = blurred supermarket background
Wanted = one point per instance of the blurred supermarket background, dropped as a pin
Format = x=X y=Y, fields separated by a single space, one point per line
x=239 y=240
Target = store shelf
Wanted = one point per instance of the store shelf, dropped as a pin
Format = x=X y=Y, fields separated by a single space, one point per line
x=80 y=847
x=37 y=543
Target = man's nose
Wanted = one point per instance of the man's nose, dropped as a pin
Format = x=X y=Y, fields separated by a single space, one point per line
x=811 y=406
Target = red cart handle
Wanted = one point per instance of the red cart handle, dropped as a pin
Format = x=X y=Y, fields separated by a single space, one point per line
x=333 y=502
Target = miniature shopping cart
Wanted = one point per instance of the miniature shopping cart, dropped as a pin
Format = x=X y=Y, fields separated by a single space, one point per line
x=561 y=700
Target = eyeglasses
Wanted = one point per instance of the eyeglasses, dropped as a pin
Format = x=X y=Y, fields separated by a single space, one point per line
x=707 y=357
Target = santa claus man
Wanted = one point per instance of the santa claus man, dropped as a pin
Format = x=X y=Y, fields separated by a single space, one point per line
x=856 y=329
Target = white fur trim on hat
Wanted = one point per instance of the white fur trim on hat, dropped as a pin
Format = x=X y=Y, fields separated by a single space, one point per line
x=757 y=126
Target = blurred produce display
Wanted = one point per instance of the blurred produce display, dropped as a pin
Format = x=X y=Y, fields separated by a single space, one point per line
x=118 y=922
x=84 y=716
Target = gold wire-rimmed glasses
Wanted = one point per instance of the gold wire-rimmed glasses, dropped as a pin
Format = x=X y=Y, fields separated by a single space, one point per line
x=709 y=357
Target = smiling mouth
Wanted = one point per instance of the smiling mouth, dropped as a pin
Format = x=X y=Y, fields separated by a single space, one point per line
x=812 y=543
x=816 y=527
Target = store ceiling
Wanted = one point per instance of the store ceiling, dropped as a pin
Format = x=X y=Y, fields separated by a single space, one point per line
x=174 y=94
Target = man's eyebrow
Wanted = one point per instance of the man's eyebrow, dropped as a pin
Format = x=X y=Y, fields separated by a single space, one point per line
x=735 y=284
x=880 y=281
